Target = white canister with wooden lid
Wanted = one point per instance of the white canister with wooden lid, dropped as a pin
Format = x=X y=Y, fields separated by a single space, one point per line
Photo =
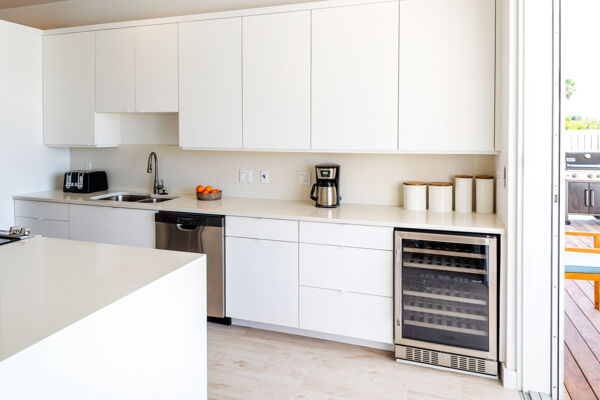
x=484 y=194
x=463 y=193
x=415 y=195
x=440 y=197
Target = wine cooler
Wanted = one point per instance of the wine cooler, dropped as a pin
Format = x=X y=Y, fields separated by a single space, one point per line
x=445 y=300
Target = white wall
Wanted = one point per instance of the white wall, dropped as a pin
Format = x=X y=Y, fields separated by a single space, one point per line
x=27 y=165
x=365 y=178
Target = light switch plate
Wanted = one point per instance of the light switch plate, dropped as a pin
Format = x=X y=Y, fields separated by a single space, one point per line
x=245 y=176
x=304 y=178
x=264 y=176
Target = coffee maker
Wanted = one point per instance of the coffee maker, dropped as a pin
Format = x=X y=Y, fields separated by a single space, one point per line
x=326 y=191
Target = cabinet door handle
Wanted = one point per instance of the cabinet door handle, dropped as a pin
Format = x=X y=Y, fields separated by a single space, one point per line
x=592 y=197
x=586 y=198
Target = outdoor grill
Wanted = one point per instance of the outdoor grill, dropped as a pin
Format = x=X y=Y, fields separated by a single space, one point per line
x=583 y=180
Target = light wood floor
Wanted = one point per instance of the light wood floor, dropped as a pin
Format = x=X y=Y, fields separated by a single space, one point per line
x=245 y=363
x=582 y=327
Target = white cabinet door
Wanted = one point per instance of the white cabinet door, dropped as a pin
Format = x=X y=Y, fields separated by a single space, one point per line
x=276 y=95
x=354 y=78
x=112 y=225
x=446 y=98
x=69 y=89
x=114 y=70
x=156 y=81
x=262 y=281
x=210 y=84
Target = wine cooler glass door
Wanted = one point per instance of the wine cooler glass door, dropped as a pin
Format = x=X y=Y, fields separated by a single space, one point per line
x=446 y=293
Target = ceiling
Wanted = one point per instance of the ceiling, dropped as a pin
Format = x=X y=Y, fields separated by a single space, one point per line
x=50 y=14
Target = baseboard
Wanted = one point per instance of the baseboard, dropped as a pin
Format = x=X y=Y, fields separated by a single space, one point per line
x=508 y=377
x=316 y=335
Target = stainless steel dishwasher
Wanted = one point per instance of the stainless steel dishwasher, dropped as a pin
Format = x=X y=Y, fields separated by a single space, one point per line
x=198 y=233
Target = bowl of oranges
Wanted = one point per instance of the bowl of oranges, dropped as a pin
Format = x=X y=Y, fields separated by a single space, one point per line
x=207 y=193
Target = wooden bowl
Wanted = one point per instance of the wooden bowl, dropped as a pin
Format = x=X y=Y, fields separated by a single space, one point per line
x=209 y=196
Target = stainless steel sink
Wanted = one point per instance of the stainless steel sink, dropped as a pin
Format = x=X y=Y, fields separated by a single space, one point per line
x=155 y=200
x=134 y=197
x=123 y=197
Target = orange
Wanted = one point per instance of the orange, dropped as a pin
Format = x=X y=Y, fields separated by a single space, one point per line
x=200 y=189
x=206 y=191
x=209 y=188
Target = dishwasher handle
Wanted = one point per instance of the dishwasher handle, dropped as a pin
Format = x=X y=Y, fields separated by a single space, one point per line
x=187 y=228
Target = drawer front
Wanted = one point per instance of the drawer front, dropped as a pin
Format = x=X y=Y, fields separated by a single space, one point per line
x=41 y=210
x=262 y=228
x=345 y=268
x=369 y=237
x=45 y=227
x=353 y=315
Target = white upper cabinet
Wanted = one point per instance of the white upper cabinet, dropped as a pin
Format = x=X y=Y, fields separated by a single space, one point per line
x=276 y=81
x=210 y=84
x=446 y=98
x=355 y=78
x=114 y=69
x=156 y=80
x=69 y=101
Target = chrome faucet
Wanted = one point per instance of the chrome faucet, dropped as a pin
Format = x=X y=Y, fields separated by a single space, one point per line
x=158 y=188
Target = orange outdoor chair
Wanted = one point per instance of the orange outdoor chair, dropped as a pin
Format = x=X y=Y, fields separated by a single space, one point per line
x=584 y=263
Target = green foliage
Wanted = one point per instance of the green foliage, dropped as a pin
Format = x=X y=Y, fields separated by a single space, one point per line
x=575 y=122
x=570 y=88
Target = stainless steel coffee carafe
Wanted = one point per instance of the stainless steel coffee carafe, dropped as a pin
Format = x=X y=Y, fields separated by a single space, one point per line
x=325 y=192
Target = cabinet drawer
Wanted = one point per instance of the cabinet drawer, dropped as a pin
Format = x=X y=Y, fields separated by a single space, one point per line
x=41 y=210
x=353 y=315
x=370 y=237
x=345 y=268
x=45 y=227
x=262 y=228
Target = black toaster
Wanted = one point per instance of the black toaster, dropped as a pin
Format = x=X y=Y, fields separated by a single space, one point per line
x=85 y=181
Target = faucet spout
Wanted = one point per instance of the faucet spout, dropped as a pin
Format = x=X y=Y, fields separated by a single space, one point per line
x=157 y=187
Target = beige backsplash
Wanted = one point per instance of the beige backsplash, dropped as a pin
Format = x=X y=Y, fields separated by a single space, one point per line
x=365 y=178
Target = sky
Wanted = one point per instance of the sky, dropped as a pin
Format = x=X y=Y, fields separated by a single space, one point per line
x=580 y=55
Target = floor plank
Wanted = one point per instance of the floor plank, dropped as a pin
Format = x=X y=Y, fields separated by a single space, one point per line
x=586 y=329
x=248 y=364
x=567 y=396
x=575 y=383
x=583 y=302
x=585 y=359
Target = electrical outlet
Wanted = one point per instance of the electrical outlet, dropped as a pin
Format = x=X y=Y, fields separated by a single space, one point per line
x=304 y=178
x=245 y=176
x=264 y=176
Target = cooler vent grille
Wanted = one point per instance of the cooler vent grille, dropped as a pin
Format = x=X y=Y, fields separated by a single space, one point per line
x=454 y=361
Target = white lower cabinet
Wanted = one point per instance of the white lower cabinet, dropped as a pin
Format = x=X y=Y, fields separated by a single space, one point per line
x=112 y=225
x=348 y=314
x=262 y=281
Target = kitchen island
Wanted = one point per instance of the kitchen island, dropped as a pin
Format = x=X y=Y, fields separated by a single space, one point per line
x=94 y=321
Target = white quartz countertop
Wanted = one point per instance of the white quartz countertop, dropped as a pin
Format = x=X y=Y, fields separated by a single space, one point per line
x=48 y=284
x=361 y=214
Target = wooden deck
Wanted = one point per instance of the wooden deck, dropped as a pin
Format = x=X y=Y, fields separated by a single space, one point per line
x=582 y=327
